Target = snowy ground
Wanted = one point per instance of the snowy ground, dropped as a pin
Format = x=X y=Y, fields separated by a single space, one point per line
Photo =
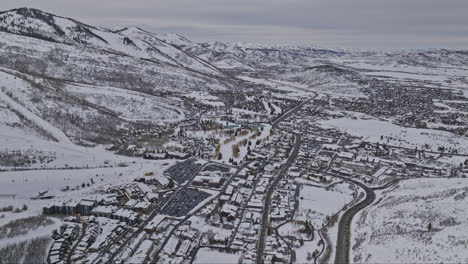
x=123 y=102
x=67 y=155
x=205 y=98
x=226 y=149
x=41 y=231
x=408 y=75
x=17 y=187
x=26 y=184
x=292 y=89
x=206 y=255
x=54 y=132
x=303 y=252
x=395 y=228
x=199 y=223
x=317 y=203
x=372 y=130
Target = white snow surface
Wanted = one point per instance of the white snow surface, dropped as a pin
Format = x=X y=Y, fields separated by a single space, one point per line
x=372 y=130
x=206 y=255
x=395 y=228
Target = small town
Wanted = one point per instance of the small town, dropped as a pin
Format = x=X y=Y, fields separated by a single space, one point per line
x=243 y=192
x=233 y=132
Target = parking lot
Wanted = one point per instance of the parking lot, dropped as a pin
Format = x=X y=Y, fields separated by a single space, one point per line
x=183 y=172
x=183 y=201
x=217 y=167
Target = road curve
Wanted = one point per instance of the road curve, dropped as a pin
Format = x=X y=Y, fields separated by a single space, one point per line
x=343 y=243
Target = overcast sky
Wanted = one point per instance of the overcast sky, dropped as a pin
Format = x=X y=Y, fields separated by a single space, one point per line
x=362 y=24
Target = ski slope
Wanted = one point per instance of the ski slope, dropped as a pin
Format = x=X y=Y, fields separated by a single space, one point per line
x=55 y=132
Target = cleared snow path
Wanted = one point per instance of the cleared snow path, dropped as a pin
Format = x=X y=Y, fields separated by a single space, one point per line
x=55 y=132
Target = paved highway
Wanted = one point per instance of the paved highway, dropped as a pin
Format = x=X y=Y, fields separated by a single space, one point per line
x=280 y=175
x=291 y=111
x=343 y=243
x=266 y=207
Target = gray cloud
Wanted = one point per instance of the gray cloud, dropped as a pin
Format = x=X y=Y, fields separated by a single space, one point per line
x=364 y=24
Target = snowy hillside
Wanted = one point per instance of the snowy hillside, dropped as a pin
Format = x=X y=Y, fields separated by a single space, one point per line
x=130 y=41
x=396 y=229
x=92 y=75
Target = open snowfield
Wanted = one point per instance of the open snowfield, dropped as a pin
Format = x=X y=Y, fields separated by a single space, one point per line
x=395 y=228
x=67 y=154
x=316 y=203
x=26 y=184
x=394 y=135
x=205 y=98
x=303 y=252
x=389 y=66
x=54 y=132
x=206 y=255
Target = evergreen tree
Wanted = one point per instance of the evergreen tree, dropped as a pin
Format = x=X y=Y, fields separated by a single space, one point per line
x=171 y=184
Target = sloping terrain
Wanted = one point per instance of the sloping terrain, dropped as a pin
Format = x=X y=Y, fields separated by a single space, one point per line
x=63 y=79
x=92 y=85
x=129 y=41
x=55 y=114
x=421 y=221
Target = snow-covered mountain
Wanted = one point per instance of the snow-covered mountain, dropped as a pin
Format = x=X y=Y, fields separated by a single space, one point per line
x=129 y=41
x=87 y=80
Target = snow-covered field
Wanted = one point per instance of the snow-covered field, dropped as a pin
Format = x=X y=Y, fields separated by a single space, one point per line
x=67 y=155
x=395 y=228
x=372 y=130
x=206 y=255
x=26 y=184
x=316 y=205
x=205 y=98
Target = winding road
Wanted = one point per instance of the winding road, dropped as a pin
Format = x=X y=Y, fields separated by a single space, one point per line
x=343 y=243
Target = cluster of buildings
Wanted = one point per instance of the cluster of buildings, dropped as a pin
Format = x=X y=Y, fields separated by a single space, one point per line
x=126 y=202
x=241 y=208
x=413 y=106
x=64 y=238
